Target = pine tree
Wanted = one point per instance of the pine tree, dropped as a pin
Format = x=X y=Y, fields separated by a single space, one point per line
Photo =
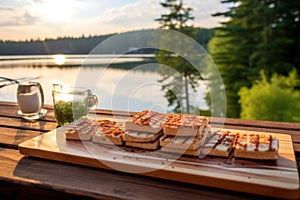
x=176 y=83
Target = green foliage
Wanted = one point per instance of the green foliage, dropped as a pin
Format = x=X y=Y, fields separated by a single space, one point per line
x=178 y=17
x=259 y=35
x=203 y=36
x=178 y=82
x=274 y=100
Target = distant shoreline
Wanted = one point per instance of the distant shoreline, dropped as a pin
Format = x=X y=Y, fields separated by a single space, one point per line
x=84 y=45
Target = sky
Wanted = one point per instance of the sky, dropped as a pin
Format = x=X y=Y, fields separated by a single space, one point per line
x=26 y=19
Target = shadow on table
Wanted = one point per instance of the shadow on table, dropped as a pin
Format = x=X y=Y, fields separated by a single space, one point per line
x=42 y=177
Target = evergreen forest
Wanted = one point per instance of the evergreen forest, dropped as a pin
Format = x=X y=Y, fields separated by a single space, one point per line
x=85 y=44
x=257 y=51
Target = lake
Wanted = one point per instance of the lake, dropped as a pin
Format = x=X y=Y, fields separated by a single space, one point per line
x=129 y=83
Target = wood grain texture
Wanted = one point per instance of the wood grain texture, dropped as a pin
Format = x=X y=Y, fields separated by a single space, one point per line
x=10 y=110
x=10 y=137
x=34 y=178
x=20 y=123
x=276 y=178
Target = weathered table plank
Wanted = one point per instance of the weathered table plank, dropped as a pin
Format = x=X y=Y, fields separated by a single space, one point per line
x=96 y=183
x=24 y=124
x=10 y=110
x=11 y=137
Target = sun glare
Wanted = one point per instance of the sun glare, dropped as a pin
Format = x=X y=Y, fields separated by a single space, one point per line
x=59 y=59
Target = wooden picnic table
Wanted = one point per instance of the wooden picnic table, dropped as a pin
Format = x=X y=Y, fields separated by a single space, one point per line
x=23 y=177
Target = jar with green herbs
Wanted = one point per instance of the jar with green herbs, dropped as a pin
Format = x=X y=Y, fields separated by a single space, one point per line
x=71 y=104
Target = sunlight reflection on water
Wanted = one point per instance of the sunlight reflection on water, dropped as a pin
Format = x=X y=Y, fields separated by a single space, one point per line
x=118 y=89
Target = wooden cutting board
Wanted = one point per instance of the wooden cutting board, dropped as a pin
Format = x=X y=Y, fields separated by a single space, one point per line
x=278 y=178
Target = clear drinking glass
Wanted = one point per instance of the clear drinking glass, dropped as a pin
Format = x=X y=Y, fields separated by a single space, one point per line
x=71 y=104
x=30 y=99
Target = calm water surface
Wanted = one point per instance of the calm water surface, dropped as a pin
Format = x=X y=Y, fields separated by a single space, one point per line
x=118 y=89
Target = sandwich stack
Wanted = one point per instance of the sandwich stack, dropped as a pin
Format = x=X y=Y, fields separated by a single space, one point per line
x=144 y=129
x=81 y=130
x=98 y=131
x=184 y=134
x=108 y=133
x=257 y=146
x=220 y=144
